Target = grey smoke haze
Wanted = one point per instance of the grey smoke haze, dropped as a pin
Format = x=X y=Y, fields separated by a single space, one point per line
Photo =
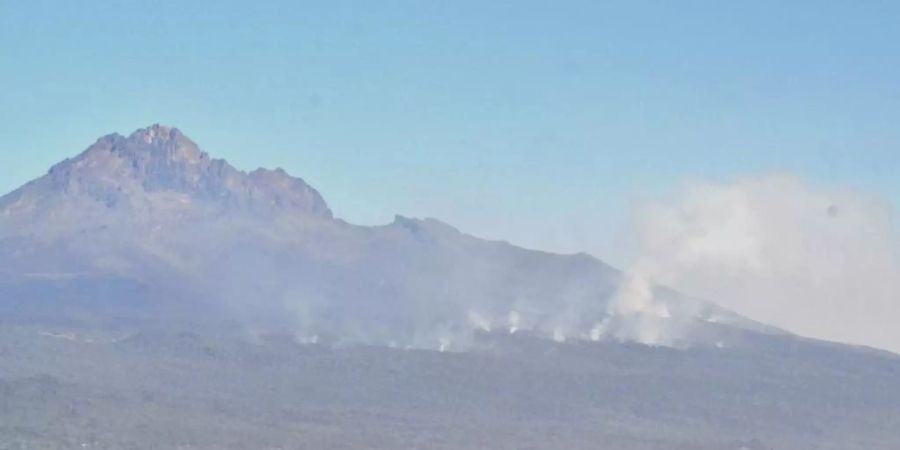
x=263 y=250
x=132 y=274
x=818 y=261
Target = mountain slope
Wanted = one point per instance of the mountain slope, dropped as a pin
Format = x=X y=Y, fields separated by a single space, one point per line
x=62 y=390
x=261 y=251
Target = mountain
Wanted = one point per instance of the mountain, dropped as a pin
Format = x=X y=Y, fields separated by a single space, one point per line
x=155 y=176
x=148 y=228
x=154 y=297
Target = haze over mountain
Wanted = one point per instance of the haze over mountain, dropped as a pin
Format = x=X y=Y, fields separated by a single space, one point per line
x=262 y=252
x=154 y=297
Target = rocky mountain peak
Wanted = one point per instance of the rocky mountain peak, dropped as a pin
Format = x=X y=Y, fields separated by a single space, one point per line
x=160 y=164
x=157 y=132
x=157 y=146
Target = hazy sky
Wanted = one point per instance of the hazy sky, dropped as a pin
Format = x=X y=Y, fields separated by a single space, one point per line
x=537 y=122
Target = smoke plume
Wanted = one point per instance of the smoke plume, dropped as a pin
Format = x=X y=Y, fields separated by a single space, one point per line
x=817 y=261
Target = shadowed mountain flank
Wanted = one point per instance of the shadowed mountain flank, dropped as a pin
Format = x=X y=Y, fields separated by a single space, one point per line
x=262 y=252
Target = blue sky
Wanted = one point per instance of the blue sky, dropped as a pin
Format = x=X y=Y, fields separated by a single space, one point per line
x=538 y=122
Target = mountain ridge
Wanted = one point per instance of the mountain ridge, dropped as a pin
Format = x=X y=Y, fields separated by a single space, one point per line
x=140 y=308
x=155 y=169
x=264 y=249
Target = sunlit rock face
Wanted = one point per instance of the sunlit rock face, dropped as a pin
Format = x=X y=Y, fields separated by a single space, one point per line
x=260 y=252
x=156 y=174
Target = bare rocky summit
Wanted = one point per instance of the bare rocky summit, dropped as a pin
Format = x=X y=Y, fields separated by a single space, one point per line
x=151 y=175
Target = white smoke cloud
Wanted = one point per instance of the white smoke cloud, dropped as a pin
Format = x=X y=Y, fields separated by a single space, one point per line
x=817 y=261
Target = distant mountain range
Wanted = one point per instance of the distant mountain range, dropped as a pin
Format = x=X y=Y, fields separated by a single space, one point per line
x=153 y=297
x=150 y=229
